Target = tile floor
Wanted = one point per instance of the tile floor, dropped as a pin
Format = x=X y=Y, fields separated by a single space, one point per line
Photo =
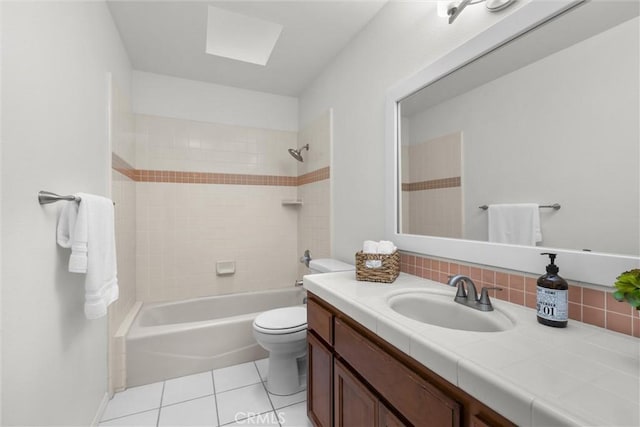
x=233 y=396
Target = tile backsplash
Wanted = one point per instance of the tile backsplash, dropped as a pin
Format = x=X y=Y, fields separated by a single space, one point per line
x=586 y=304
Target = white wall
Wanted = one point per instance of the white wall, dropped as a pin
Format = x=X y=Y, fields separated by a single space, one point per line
x=1 y=138
x=166 y=96
x=55 y=58
x=582 y=151
x=402 y=39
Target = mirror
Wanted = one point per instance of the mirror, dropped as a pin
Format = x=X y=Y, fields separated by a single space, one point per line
x=550 y=117
x=543 y=107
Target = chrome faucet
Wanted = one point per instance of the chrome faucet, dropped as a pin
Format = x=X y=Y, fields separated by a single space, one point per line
x=468 y=295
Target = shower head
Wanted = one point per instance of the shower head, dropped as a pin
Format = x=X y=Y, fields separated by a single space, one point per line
x=297 y=154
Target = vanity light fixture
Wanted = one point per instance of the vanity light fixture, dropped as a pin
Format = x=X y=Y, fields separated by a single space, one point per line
x=451 y=9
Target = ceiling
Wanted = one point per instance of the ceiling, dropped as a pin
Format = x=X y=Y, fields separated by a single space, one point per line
x=169 y=37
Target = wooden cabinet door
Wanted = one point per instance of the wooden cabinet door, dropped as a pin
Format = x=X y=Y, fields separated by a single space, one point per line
x=319 y=382
x=354 y=404
x=387 y=419
x=417 y=400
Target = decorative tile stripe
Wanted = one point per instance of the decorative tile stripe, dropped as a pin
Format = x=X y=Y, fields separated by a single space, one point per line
x=120 y=165
x=213 y=178
x=592 y=306
x=315 y=176
x=432 y=184
x=141 y=175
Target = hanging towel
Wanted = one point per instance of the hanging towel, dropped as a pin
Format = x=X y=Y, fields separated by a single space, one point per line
x=516 y=224
x=88 y=228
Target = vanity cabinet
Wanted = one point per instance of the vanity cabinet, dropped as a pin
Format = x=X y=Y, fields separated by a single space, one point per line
x=357 y=379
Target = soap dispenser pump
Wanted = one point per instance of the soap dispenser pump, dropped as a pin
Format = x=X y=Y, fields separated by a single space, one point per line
x=553 y=296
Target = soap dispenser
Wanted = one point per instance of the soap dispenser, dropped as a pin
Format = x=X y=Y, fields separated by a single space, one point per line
x=553 y=297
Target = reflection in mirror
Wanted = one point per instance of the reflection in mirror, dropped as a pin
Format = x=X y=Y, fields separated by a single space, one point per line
x=551 y=117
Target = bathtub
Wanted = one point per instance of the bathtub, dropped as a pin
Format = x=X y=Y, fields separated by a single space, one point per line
x=168 y=340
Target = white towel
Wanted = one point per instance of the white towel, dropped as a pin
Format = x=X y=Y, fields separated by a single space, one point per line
x=517 y=224
x=89 y=230
x=370 y=247
x=386 y=247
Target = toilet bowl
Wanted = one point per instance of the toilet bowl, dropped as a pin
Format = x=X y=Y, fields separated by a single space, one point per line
x=283 y=333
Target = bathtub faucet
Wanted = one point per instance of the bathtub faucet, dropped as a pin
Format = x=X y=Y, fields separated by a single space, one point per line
x=298 y=283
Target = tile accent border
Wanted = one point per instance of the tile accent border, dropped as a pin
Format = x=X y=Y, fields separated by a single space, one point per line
x=213 y=178
x=315 y=176
x=142 y=175
x=432 y=184
x=120 y=165
x=593 y=306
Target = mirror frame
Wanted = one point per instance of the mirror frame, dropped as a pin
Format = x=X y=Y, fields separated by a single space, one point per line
x=588 y=267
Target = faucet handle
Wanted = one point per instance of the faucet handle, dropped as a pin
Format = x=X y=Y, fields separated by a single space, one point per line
x=484 y=295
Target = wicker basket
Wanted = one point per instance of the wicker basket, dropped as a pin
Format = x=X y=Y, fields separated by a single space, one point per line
x=377 y=267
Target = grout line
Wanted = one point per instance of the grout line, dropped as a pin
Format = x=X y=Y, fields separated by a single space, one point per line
x=215 y=398
x=129 y=415
x=264 y=385
x=160 y=408
x=247 y=418
x=188 y=400
x=238 y=388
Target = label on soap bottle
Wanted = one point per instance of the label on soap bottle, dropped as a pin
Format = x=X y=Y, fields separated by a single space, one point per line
x=553 y=304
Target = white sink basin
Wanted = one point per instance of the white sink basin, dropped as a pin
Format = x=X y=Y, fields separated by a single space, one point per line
x=440 y=310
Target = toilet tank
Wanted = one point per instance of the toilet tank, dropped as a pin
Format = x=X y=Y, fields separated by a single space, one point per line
x=329 y=265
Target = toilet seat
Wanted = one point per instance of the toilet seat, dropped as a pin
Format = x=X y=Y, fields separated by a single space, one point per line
x=281 y=321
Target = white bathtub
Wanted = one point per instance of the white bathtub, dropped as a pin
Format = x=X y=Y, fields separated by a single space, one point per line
x=168 y=340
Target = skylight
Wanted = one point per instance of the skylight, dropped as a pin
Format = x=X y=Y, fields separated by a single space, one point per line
x=240 y=37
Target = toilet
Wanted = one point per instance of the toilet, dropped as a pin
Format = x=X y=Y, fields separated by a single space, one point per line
x=283 y=333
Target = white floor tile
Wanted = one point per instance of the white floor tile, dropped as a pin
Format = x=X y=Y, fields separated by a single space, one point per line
x=143 y=419
x=267 y=419
x=134 y=400
x=241 y=403
x=282 y=401
x=263 y=368
x=188 y=387
x=198 y=412
x=235 y=376
x=294 y=416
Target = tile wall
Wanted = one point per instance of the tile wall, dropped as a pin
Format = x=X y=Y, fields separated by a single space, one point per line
x=314 y=189
x=431 y=172
x=183 y=230
x=587 y=304
x=169 y=144
x=232 y=208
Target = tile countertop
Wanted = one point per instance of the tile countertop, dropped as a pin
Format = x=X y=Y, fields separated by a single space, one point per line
x=532 y=374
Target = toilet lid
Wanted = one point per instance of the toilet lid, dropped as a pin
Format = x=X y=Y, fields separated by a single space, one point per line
x=288 y=319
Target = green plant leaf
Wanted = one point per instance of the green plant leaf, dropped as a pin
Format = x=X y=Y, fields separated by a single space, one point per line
x=618 y=295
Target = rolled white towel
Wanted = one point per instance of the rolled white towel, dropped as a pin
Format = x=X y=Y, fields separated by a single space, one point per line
x=386 y=247
x=370 y=247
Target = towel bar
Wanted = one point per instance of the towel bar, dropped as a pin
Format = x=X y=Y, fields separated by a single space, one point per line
x=46 y=197
x=555 y=206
